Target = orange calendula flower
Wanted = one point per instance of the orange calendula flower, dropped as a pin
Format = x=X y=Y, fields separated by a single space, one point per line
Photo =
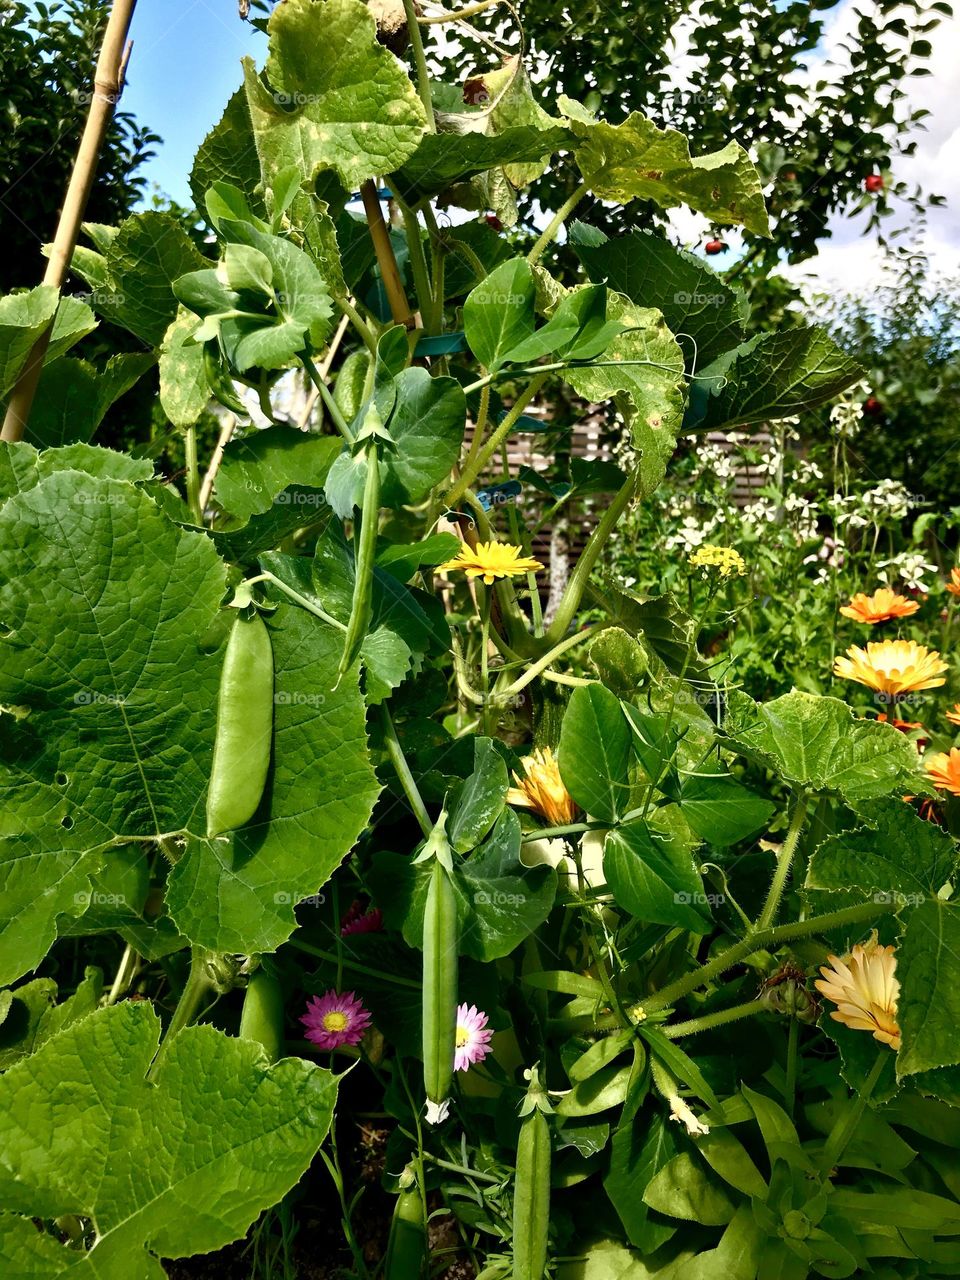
x=880 y=607
x=541 y=788
x=943 y=770
x=490 y=560
x=953 y=586
x=864 y=987
x=954 y=715
x=892 y=667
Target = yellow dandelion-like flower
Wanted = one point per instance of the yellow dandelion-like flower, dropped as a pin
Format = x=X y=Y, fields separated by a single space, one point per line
x=953 y=586
x=864 y=987
x=725 y=560
x=943 y=770
x=880 y=607
x=541 y=788
x=490 y=560
x=954 y=715
x=892 y=667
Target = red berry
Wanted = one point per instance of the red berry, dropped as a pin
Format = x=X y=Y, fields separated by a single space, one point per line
x=715 y=246
x=790 y=175
x=873 y=182
x=494 y=221
x=872 y=406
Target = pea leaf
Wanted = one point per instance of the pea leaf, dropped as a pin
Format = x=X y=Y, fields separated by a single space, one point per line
x=499 y=313
x=637 y=1154
x=24 y=316
x=721 y=810
x=684 y=1189
x=819 y=744
x=774 y=375
x=653 y=876
x=476 y=804
x=335 y=98
x=594 y=752
x=928 y=967
x=636 y=160
x=257 y=469
x=240 y=1125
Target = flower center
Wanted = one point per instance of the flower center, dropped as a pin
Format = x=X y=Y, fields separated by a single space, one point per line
x=463 y=1037
x=335 y=1021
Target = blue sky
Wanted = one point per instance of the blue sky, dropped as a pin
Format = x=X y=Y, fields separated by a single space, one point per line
x=184 y=66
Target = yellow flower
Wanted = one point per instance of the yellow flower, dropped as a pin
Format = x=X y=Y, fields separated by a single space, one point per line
x=489 y=560
x=954 y=715
x=541 y=789
x=724 y=559
x=879 y=607
x=864 y=988
x=892 y=667
x=953 y=586
x=944 y=770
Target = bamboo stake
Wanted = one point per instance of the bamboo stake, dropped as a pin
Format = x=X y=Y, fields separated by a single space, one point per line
x=107 y=86
x=392 y=282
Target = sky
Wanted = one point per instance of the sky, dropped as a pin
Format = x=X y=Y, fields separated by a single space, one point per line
x=186 y=63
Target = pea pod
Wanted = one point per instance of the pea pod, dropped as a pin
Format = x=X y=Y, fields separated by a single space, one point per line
x=407 y=1245
x=262 y=1016
x=441 y=945
x=241 y=752
x=531 y=1196
x=365 y=542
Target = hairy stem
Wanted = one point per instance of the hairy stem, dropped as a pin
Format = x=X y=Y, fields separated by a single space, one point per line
x=784 y=863
x=556 y=222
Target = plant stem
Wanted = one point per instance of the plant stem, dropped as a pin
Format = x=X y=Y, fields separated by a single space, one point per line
x=764 y=938
x=418 y=265
x=196 y=991
x=690 y=1028
x=420 y=62
x=458 y=14
x=326 y=396
x=843 y=1130
x=107 y=85
x=302 y=601
x=541 y=664
x=790 y=1087
x=460 y=1168
x=556 y=223
x=355 y=965
x=580 y=576
x=193 y=474
x=784 y=863
x=367 y=335
x=226 y=431
x=571 y=829
x=399 y=762
x=474 y=468
x=333 y=1168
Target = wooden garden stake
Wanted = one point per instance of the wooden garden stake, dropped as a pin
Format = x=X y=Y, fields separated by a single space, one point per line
x=107 y=86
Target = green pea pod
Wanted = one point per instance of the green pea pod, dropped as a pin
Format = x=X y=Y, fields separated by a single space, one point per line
x=241 y=752
x=407 y=1246
x=262 y=1016
x=365 y=542
x=440 y=948
x=348 y=390
x=531 y=1196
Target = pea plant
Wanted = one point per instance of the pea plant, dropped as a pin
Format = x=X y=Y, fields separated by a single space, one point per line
x=315 y=814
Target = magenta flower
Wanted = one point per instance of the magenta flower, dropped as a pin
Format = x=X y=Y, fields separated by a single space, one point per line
x=333 y=1020
x=473 y=1039
x=358 y=921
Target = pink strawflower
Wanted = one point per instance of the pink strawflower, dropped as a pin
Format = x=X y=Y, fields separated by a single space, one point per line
x=473 y=1040
x=358 y=921
x=333 y=1020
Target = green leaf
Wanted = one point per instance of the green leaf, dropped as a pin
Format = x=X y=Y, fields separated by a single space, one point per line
x=74 y=396
x=132 y=279
x=228 y=154
x=257 y=470
x=184 y=391
x=104 y=604
x=658 y=622
x=238 y=893
x=654 y=877
x=638 y=1152
x=444 y=159
x=476 y=804
x=736 y=1257
x=604 y=1089
x=336 y=98
x=22 y=467
x=727 y=1157
x=928 y=968
x=403 y=560
x=499 y=900
x=295 y=507
x=24 y=316
x=721 y=810
x=499 y=313
x=594 y=753
x=683 y=1189
x=636 y=160
x=33 y=1016
x=645 y=363
x=619 y=661
x=153 y=1189
x=895 y=854
x=818 y=744
x=774 y=375
x=694 y=300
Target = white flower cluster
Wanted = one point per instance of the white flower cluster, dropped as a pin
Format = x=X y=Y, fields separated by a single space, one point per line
x=909 y=567
x=890 y=499
x=846 y=416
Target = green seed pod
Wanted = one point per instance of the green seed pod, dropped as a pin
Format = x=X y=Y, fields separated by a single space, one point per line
x=348 y=390
x=262 y=1016
x=531 y=1196
x=365 y=543
x=241 y=752
x=407 y=1246
x=441 y=945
